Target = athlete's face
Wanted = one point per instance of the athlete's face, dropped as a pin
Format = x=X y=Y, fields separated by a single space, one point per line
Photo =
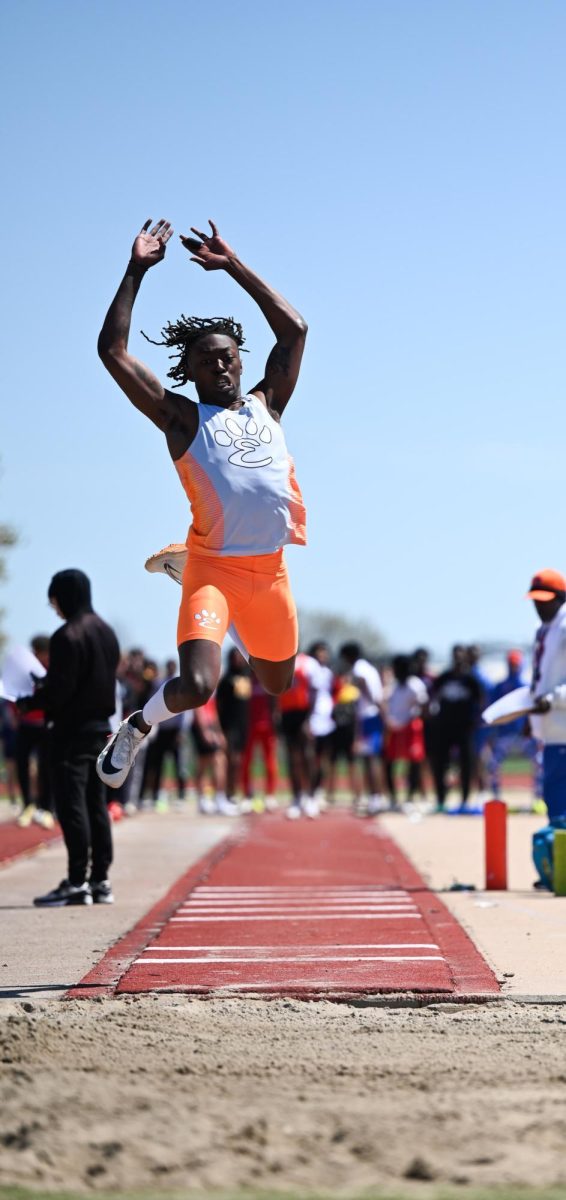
x=215 y=369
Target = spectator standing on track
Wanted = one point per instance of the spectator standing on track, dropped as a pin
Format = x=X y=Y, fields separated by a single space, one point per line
x=481 y=731
x=515 y=737
x=32 y=753
x=167 y=743
x=295 y=706
x=233 y=705
x=262 y=735
x=8 y=726
x=343 y=738
x=548 y=687
x=367 y=679
x=210 y=747
x=322 y=723
x=455 y=698
x=78 y=695
x=404 y=739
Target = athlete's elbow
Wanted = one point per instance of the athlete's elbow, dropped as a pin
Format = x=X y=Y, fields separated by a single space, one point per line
x=109 y=354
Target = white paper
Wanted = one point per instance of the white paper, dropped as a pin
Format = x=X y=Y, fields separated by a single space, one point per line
x=19 y=666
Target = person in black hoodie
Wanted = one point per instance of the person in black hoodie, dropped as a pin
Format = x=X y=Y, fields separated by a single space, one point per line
x=79 y=695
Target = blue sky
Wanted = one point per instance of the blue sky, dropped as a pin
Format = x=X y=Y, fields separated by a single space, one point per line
x=396 y=168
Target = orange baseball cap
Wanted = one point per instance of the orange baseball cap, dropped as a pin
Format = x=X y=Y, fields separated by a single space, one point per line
x=545 y=584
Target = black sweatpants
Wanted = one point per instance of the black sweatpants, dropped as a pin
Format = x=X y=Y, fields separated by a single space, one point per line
x=80 y=798
x=441 y=745
x=33 y=740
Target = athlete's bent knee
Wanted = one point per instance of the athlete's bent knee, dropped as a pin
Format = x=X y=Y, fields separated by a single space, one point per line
x=275 y=678
x=196 y=689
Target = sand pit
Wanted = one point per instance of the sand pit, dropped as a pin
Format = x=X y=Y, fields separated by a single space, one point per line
x=169 y=1093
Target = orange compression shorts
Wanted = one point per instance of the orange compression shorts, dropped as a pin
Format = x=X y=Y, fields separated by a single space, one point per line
x=250 y=591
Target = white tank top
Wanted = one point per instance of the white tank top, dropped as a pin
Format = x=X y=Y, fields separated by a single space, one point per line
x=240 y=481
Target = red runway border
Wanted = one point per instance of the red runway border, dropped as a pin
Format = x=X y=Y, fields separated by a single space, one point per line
x=327 y=909
x=16 y=843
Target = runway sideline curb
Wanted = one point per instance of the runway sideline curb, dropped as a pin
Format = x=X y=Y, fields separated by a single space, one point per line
x=103 y=979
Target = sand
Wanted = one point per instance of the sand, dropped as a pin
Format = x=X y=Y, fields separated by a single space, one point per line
x=174 y=1093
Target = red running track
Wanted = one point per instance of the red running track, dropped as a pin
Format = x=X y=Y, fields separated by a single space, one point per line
x=15 y=842
x=327 y=908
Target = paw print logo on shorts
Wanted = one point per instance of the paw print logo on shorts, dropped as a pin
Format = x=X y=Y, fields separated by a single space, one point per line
x=248 y=442
x=207 y=620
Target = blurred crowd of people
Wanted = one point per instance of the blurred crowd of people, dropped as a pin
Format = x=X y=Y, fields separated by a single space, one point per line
x=384 y=734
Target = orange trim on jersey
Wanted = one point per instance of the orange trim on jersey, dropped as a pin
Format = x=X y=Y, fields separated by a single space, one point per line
x=297 y=511
x=207 y=529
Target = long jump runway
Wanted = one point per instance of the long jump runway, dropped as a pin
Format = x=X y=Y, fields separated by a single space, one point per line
x=327 y=908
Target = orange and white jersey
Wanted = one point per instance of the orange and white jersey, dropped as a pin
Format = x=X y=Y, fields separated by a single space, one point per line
x=241 y=485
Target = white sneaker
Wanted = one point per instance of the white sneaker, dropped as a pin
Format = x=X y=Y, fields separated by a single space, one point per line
x=294 y=811
x=26 y=817
x=226 y=807
x=131 y=808
x=206 y=806
x=377 y=804
x=271 y=803
x=310 y=807
x=44 y=818
x=114 y=762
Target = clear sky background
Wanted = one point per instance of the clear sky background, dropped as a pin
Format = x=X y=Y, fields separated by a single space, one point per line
x=397 y=169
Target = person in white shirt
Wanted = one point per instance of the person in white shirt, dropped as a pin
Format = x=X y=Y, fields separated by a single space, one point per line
x=404 y=740
x=548 y=687
x=368 y=680
x=322 y=723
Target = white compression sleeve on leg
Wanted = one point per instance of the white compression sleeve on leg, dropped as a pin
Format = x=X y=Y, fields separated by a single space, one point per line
x=233 y=633
x=156 y=709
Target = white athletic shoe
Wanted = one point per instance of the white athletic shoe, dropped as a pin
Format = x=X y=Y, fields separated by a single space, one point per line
x=271 y=803
x=310 y=807
x=44 y=818
x=114 y=762
x=206 y=806
x=226 y=807
x=377 y=804
x=294 y=811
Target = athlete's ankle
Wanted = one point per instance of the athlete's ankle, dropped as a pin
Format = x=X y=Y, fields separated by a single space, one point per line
x=138 y=722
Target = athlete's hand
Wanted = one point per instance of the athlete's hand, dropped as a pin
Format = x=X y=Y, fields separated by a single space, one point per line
x=541 y=705
x=212 y=252
x=149 y=246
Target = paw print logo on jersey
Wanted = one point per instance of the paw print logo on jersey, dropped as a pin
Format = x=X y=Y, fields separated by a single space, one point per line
x=248 y=442
x=207 y=620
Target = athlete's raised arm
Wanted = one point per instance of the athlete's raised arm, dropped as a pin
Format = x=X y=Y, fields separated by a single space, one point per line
x=139 y=383
x=283 y=365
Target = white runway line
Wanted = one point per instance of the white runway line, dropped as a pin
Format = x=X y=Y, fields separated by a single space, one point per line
x=311 y=958
x=298 y=949
x=380 y=916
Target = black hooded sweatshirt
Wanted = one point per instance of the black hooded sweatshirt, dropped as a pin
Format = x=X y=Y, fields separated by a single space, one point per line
x=79 y=690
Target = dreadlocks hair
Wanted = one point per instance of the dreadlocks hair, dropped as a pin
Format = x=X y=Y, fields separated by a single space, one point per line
x=185 y=332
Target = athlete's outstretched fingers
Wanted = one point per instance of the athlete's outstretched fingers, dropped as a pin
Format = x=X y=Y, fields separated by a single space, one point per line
x=145 y=227
x=191 y=243
x=213 y=227
x=201 y=261
x=199 y=233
